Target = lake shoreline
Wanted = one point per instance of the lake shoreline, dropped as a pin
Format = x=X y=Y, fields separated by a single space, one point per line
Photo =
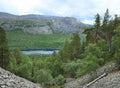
x=39 y=49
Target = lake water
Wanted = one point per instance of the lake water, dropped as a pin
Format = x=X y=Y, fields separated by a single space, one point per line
x=28 y=52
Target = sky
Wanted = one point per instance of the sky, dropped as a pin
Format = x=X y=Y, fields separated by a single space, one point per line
x=84 y=10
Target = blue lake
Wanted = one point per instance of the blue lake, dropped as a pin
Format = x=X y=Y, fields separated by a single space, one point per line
x=28 y=52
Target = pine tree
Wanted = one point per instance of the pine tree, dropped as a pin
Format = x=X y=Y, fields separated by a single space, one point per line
x=75 y=46
x=107 y=29
x=72 y=49
x=65 y=52
x=106 y=18
x=4 y=51
x=89 y=35
x=97 y=27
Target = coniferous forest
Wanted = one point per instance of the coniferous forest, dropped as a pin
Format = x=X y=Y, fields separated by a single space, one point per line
x=76 y=58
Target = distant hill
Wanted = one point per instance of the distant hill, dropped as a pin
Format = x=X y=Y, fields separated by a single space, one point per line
x=41 y=24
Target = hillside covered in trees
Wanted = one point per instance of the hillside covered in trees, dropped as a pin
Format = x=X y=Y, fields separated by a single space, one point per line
x=34 y=31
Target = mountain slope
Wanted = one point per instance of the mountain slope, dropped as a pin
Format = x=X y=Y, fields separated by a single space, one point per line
x=41 y=24
x=9 y=80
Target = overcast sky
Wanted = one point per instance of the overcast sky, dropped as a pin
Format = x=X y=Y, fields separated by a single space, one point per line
x=85 y=10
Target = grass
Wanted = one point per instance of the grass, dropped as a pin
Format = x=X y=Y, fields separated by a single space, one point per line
x=22 y=40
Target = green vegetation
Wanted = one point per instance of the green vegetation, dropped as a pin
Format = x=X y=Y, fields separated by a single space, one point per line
x=21 y=40
x=116 y=44
x=53 y=69
x=4 y=50
x=71 y=49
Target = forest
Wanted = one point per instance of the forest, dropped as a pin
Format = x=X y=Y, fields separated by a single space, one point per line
x=25 y=41
x=75 y=59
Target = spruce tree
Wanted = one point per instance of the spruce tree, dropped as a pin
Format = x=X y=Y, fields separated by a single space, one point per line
x=4 y=51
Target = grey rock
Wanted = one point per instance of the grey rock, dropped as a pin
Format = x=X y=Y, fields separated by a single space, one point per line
x=69 y=79
x=9 y=80
x=38 y=30
x=110 y=81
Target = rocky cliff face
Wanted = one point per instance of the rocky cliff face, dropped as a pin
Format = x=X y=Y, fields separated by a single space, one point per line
x=41 y=24
x=9 y=80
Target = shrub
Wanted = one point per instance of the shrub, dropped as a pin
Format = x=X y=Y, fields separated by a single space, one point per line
x=70 y=68
x=89 y=64
x=59 y=80
x=43 y=76
x=117 y=59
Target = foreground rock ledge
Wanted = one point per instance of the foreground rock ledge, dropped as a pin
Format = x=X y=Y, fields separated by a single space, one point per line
x=9 y=80
x=110 y=81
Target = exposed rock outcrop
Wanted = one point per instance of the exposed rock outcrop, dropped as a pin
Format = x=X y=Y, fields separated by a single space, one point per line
x=82 y=81
x=38 y=30
x=9 y=80
x=112 y=80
